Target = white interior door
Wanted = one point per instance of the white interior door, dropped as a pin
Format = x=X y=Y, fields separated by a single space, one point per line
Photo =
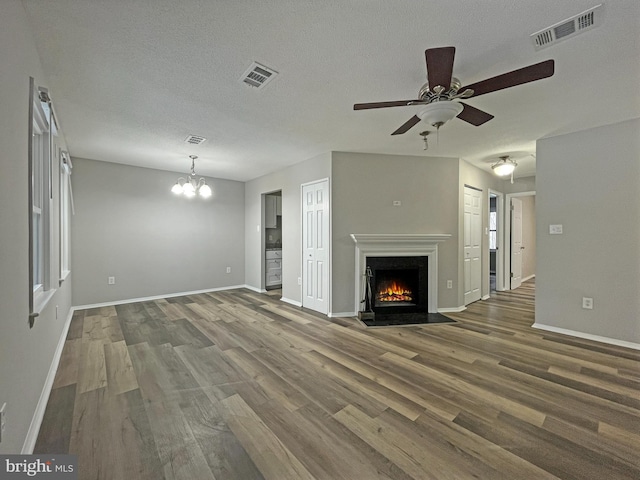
x=472 y=245
x=516 y=242
x=315 y=250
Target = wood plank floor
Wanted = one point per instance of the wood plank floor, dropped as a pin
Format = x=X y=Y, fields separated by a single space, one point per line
x=238 y=385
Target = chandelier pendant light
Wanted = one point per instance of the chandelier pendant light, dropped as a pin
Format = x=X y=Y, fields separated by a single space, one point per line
x=190 y=187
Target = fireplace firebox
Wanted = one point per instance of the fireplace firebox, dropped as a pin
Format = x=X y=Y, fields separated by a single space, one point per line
x=399 y=284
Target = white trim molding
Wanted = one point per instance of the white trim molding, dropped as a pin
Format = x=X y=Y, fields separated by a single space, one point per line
x=159 y=297
x=399 y=245
x=342 y=314
x=255 y=289
x=587 y=336
x=452 y=309
x=295 y=303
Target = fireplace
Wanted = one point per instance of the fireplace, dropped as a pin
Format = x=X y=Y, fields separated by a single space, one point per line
x=399 y=284
x=400 y=246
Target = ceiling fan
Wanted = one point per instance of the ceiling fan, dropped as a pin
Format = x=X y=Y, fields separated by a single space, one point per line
x=441 y=93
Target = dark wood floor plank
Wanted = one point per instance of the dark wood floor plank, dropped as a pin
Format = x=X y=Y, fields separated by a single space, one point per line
x=268 y=452
x=557 y=455
x=55 y=430
x=77 y=325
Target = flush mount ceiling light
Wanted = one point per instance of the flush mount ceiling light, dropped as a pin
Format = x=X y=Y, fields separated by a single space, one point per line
x=189 y=187
x=505 y=166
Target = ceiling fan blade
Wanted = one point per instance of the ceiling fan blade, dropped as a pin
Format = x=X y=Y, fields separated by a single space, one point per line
x=528 y=74
x=397 y=103
x=406 y=126
x=440 y=66
x=473 y=115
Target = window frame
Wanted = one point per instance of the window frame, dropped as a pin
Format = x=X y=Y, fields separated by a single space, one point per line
x=40 y=190
x=65 y=211
x=494 y=230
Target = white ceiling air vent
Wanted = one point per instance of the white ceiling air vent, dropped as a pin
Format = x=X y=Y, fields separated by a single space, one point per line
x=194 y=140
x=258 y=75
x=568 y=28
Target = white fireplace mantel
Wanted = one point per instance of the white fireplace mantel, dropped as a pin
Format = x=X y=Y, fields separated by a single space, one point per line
x=399 y=245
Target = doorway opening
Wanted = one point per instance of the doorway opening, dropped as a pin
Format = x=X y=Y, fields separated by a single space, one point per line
x=496 y=240
x=272 y=241
x=520 y=239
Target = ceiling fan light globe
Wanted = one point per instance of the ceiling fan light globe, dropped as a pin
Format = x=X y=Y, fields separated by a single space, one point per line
x=439 y=113
x=503 y=169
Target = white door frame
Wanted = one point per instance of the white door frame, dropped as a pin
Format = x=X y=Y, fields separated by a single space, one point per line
x=330 y=236
x=506 y=257
x=499 y=237
x=469 y=296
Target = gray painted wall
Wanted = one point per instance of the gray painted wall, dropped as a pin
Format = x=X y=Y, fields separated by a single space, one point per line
x=25 y=354
x=289 y=181
x=589 y=182
x=364 y=187
x=129 y=225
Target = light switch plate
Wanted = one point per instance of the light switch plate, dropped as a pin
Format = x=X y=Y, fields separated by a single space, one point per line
x=555 y=229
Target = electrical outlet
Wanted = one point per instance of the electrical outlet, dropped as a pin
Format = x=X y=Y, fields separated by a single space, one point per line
x=587 y=303
x=228 y=269
x=299 y=280
x=449 y=283
x=3 y=419
x=111 y=280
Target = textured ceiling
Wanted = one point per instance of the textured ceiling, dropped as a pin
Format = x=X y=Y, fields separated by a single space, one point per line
x=130 y=79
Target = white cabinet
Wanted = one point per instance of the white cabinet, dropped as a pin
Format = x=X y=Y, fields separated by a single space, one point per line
x=273 y=268
x=279 y=206
x=270 y=220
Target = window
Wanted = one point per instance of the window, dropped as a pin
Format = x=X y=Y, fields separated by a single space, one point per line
x=66 y=209
x=41 y=128
x=493 y=227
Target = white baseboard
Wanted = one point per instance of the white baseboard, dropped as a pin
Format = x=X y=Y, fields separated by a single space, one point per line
x=157 y=297
x=342 y=314
x=38 y=415
x=528 y=278
x=486 y=297
x=254 y=289
x=295 y=303
x=452 y=310
x=588 y=336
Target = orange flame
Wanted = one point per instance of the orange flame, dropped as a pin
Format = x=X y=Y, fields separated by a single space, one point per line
x=395 y=292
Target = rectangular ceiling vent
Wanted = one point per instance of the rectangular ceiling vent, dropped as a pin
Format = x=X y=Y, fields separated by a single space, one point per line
x=258 y=75
x=194 y=139
x=568 y=28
